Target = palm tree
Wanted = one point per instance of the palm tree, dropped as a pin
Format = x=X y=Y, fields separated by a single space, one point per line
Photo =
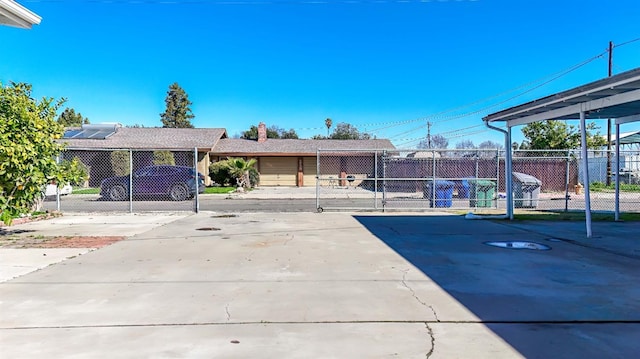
x=328 y=123
x=239 y=168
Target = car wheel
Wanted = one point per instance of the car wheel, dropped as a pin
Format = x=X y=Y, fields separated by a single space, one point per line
x=178 y=192
x=117 y=193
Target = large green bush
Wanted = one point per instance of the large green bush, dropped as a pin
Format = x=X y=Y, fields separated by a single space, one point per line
x=163 y=157
x=120 y=163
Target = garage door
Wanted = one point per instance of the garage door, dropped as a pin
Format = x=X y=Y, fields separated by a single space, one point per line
x=309 y=167
x=278 y=171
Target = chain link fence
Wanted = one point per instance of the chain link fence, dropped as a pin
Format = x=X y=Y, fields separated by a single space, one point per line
x=471 y=179
x=127 y=180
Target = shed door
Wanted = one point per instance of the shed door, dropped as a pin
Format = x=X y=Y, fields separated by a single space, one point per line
x=278 y=171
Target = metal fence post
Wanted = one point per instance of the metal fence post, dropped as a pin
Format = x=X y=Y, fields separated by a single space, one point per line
x=566 y=183
x=130 y=181
x=375 y=180
x=195 y=167
x=384 y=179
x=318 y=175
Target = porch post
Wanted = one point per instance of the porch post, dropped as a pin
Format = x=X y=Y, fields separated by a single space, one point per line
x=585 y=165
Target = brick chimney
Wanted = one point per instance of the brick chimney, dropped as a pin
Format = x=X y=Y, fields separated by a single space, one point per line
x=262 y=132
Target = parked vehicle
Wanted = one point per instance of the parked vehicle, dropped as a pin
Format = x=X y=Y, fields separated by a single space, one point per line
x=176 y=182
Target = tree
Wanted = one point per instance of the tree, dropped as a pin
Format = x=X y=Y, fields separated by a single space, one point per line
x=272 y=132
x=69 y=118
x=239 y=168
x=177 y=113
x=328 y=122
x=465 y=145
x=345 y=131
x=28 y=131
x=437 y=142
x=557 y=135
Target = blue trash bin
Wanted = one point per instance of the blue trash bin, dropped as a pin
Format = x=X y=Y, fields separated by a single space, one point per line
x=443 y=193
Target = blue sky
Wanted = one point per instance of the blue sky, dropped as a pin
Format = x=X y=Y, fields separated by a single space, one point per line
x=386 y=67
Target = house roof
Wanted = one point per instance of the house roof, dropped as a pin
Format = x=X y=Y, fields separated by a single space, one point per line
x=153 y=138
x=291 y=147
x=14 y=14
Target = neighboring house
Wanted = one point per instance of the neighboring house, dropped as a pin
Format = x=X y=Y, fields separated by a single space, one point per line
x=14 y=14
x=281 y=162
x=289 y=162
x=93 y=144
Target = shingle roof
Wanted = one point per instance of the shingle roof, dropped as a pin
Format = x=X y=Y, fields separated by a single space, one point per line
x=271 y=147
x=156 y=138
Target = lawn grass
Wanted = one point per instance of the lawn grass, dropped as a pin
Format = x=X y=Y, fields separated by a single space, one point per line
x=520 y=215
x=86 y=191
x=218 y=190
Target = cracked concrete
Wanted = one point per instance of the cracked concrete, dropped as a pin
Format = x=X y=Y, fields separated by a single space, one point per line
x=333 y=292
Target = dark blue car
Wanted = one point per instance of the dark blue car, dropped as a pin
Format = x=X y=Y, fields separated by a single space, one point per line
x=176 y=182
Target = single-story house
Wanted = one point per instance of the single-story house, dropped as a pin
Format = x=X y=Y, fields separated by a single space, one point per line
x=93 y=144
x=280 y=162
x=293 y=162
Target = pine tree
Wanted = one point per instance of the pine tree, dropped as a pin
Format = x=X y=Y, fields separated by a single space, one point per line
x=178 y=113
x=69 y=118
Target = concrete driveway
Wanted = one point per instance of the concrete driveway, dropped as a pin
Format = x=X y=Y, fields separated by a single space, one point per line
x=330 y=285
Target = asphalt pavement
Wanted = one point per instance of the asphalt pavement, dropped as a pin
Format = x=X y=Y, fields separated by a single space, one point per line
x=326 y=285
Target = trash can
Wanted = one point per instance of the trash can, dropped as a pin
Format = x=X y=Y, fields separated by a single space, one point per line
x=482 y=193
x=462 y=187
x=443 y=193
x=526 y=190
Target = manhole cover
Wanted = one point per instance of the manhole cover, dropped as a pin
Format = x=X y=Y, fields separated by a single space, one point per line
x=208 y=229
x=225 y=216
x=519 y=245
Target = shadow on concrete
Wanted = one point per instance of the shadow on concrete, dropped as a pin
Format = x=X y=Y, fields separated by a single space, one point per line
x=570 y=301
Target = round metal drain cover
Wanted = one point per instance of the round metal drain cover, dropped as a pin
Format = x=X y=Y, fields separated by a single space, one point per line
x=208 y=229
x=519 y=245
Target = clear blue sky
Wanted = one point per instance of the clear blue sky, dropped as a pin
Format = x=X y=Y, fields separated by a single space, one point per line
x=386 y=67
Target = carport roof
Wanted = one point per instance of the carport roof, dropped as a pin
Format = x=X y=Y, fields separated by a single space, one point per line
x=616 y=97
x=14 y=14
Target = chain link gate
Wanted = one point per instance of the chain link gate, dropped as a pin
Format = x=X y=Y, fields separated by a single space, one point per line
x=129 y=180
x=406 y=179
x=470 y=179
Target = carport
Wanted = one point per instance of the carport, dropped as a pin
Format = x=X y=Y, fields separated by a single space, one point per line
x=616 y=97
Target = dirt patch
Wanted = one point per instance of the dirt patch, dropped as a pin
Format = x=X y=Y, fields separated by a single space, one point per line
x=57 y=242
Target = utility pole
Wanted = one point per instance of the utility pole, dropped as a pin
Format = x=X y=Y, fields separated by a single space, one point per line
x=428 y=134
x=609 y=121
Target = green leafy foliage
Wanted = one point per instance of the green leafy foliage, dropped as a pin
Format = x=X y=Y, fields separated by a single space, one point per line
x=120 y=163
x=178 y=111
x=28 y=149
x=69 y=118
x=75 y=171
x=558 y=135
x=235 y=171
x=163 y=158
x=346 y=131
x=272 y=132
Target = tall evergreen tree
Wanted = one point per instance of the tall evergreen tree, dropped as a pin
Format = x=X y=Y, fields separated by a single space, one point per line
x=177 y=113
x=69 y=118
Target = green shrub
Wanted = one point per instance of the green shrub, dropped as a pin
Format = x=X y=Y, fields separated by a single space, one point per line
x=163 y=158
x=75 y=171
x=219 y=173
x=120 y=163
